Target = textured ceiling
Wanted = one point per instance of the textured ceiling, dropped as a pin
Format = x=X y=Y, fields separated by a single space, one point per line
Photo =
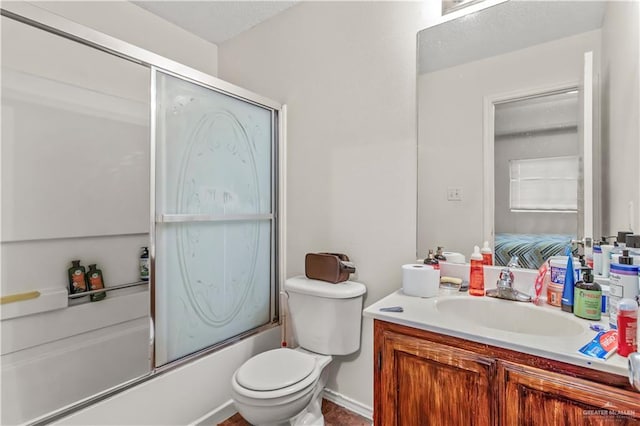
x=504 y=28
x=215 y=21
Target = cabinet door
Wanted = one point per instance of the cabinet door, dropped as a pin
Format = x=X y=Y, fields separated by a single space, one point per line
x=425 y=383
x=537 y=397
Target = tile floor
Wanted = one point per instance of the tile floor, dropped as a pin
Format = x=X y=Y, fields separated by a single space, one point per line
x=334 y=415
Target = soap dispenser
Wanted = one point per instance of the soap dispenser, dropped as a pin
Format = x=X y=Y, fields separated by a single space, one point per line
x=587 y=297
x=431 y=260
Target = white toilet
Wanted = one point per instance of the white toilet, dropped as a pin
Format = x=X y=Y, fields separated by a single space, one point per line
x=284 y=386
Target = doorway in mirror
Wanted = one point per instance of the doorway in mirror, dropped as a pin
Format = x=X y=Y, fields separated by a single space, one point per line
x=537 y=175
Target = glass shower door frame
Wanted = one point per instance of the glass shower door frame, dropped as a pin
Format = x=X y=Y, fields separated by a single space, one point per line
x=158 y=218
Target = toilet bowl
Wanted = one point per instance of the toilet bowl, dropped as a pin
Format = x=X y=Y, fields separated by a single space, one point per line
x=281 y=387
x=284 y=386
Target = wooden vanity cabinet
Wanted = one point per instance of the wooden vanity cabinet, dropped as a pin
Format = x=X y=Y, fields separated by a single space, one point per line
x=536 y=397
x=425 y=378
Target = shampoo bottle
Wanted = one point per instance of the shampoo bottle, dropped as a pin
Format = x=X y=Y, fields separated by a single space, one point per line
x=476 y=274
x=587 y=297
x=487 y=255
x=96 y=282
x=77 y=279
x=440 y=257
x=144 y=264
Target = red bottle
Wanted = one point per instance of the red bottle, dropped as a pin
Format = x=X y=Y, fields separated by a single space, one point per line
x=476 y=273
x=627 y=327
x=487 y=254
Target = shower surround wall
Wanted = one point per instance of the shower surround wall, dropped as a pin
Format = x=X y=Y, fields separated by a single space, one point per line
x=55 y=329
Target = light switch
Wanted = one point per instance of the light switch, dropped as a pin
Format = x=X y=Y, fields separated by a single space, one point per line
x=454 y=193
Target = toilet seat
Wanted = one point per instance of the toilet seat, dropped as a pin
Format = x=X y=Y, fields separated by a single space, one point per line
x=275 y=369
x=301 y=386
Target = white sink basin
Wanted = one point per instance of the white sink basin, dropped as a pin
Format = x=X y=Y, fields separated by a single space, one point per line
x=515 y=317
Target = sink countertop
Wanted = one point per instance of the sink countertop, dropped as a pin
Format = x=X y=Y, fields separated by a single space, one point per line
x=422 y=313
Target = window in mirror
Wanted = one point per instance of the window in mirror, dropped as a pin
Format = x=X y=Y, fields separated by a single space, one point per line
x=543 y=185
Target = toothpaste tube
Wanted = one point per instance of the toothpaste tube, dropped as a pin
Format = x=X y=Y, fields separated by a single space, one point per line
x=602 y=346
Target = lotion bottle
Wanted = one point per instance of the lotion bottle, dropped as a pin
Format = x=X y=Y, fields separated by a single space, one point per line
x=606 y=259
x=476 y=273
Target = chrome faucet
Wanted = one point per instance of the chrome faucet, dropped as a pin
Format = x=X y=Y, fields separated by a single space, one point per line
x=504 y=285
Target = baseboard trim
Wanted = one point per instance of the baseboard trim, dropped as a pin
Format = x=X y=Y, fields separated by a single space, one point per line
x=217 y=415
x=349 y=404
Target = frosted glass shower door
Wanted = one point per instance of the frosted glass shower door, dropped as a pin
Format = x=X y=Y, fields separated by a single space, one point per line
x=214 y=225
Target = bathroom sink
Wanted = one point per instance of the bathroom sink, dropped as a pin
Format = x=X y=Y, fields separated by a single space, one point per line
x=515 y=317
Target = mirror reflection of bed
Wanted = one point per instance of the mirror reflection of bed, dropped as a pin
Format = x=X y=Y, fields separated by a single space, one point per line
x=537 y=172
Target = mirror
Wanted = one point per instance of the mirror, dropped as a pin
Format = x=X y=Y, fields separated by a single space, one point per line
x=521 y=70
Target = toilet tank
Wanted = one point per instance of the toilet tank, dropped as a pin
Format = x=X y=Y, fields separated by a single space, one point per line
x=326 y=318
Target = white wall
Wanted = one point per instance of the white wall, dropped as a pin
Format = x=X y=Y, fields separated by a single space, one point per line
x=621 y=123
x=128 y=22
x=450 y=147
x=346 y=70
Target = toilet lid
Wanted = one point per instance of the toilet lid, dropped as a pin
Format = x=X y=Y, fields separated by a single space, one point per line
x=275 y=369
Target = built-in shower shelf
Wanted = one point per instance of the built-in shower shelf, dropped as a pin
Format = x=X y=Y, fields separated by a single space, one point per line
x=110 y=288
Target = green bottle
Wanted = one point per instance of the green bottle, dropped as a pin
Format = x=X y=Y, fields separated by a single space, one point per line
x=587 y=297
x=77 y=278
x=96 y=282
